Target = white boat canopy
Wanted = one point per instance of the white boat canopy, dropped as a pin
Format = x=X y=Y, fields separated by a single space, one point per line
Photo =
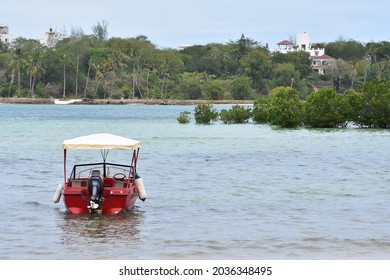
x=101 y=141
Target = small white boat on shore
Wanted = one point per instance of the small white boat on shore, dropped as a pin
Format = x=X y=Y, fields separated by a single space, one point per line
x=65 y=102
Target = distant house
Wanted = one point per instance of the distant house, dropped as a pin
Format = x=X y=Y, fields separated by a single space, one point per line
x=52 y=37
x=5 y=37
x=285 y=46
x=321 y=62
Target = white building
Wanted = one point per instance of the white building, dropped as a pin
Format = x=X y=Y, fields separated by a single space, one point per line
x=320 y=61
x=52 y=37
x=5 y=37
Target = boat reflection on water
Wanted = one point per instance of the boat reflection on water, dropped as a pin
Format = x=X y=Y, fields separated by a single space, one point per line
x=97 y=231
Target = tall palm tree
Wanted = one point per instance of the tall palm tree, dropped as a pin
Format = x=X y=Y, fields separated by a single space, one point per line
x=87 y=78
x=115 y=61
x=17 y=64
x=34 y=67
x=11 y=82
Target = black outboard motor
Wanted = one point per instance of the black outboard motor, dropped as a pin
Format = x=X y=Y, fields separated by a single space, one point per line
x=95 y=189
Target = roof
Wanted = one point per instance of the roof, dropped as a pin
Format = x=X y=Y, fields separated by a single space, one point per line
x=101 y=141
x=285 y=43
x=324 y=56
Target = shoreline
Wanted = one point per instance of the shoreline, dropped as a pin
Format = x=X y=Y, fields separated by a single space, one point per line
x=16 y=100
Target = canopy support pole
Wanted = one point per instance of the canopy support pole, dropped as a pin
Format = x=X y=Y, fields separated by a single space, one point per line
x=64 y=167
x=104 y=156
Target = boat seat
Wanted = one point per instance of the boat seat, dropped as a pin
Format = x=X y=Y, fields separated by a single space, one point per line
x=79 y=183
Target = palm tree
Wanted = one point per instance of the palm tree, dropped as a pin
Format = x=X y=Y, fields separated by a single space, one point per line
x=64 y=89
x=87 y=78
x=115 y=61
x=34 y=67
x=17 y=64
x=77 y=75
x=12 y=81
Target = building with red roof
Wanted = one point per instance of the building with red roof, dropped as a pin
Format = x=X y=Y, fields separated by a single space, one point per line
x=321 y=62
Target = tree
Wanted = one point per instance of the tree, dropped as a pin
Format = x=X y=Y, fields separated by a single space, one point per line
x=341 y=73
x=214 y=89
x=167 y=63
x=260 y=110
x=379 y=54
x=64 y=88
x=115 y=61
x=17 y=64
x=191 y=85
x=257 y=65
x=301 y=61
x=346 y=49
x=184 y=117
x=362 y=66
x=214 y=59
x=284 y=74
x=100 y=30
x=325 y=109
x=285 y=108
x=205 y=113
x=4 y=47
x=135 y=68
x=376 y=110
x=244 y=45
x=354 y=106
x=237 y=114
x=241 y=88
x=34 y=66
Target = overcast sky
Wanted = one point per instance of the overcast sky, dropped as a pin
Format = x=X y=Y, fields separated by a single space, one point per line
x=179 y=22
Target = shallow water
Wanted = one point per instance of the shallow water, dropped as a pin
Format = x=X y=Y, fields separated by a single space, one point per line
x=214 y=191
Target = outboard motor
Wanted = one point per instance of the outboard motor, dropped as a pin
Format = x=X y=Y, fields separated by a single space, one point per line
x=95 y=189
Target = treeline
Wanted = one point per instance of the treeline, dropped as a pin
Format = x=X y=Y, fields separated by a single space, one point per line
x=369 y=106
x=93 y=66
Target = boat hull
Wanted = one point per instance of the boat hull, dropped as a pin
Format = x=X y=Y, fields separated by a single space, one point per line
x=114 y=201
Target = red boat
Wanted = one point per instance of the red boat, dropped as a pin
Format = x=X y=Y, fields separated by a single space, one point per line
x=103 y=187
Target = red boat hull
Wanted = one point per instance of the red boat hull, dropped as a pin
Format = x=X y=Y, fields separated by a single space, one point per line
x=101 y=187
x=114 y=200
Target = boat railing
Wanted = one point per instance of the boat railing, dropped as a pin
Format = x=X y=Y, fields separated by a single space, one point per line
x=107 y=169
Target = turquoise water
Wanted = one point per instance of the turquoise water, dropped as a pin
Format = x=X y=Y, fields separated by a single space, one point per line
x=214 y=191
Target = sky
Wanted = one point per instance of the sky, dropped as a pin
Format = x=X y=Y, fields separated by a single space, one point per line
x=175 y=23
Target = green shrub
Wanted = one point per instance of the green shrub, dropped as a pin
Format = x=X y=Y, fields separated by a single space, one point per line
x=205 y=113
x=237 y=114
x=184 y=117
x=325 y=109
x=376 y=111
x=260 y=110
x=241 y=88
x=354 y=106
x=284 y=107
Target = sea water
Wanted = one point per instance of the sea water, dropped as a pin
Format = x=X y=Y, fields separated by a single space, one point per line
x=218 y=191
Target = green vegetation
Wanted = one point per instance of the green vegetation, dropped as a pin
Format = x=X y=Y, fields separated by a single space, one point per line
x=260 y=110
x=284 y=107
x=237 y=114
x=375 y=107
x=325 y=108
x=205 y=113
x=184 y=117
x=285 y=90
x=96 y=66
